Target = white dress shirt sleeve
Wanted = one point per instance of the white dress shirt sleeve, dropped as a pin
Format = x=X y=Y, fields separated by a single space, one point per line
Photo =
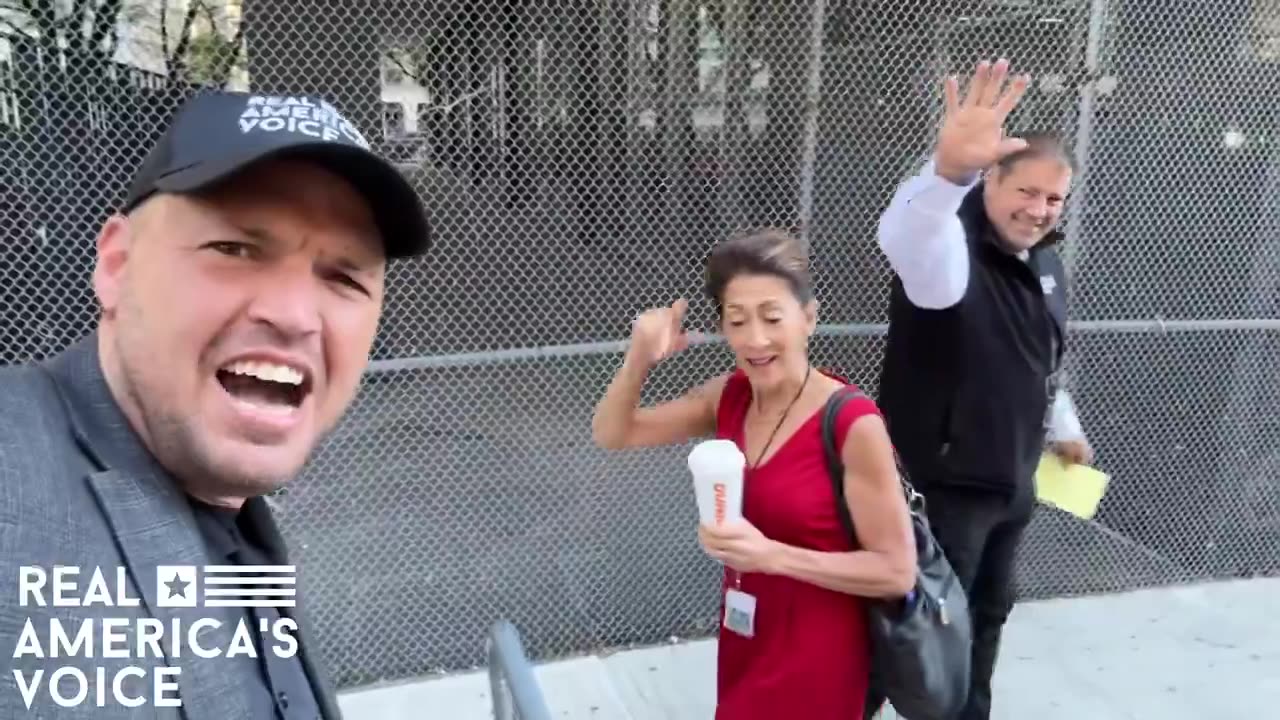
x=923 y=239
x=1064 y=424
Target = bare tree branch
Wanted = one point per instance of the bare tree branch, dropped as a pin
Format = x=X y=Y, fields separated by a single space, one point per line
x=45 y=16
x=103 y=22
x=113 y=42
x=177 y=62
x=75 y=22
x=208 y=15
x=391 y=55
x=11 y=27
x=164 y=32
x=223 y=72
x=184 y=35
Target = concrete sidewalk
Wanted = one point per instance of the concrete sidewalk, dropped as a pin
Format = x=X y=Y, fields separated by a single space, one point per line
x=1192 y=652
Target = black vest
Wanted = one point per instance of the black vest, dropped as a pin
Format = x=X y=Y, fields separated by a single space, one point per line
x=965 y=391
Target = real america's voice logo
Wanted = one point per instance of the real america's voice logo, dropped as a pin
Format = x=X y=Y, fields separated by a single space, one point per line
x=133 y=659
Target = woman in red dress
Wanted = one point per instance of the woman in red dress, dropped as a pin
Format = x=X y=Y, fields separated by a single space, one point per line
x=792 y=641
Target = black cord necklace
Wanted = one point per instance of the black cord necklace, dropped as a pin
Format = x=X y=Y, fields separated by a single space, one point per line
x=782 y=419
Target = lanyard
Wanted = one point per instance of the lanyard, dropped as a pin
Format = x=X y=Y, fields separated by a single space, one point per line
x=737 y=576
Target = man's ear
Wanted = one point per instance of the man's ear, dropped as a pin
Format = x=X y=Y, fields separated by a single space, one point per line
x=114 y=243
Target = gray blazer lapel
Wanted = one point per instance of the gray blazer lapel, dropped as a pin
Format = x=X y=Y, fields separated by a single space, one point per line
x=155 y=528
x=263 y=522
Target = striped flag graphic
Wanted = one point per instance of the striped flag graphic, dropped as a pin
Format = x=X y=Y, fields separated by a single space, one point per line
x=247 y=586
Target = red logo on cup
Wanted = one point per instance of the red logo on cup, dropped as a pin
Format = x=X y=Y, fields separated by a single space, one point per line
x=720 y=502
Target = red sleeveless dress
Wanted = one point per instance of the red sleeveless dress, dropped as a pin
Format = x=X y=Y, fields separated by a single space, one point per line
x=809 y=657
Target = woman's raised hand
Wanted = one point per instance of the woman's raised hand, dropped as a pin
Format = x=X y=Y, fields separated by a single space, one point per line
x=659 y=333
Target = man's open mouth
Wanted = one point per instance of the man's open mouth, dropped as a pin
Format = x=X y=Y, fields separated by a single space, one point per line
x=265 y=384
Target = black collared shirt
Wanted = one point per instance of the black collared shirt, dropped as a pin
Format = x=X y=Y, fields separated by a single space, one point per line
x=284 y=692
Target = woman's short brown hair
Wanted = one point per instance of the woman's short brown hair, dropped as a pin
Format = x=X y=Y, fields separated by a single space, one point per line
x=763 y=252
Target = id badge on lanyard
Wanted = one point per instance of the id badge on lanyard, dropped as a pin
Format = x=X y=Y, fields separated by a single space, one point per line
x=740 y=612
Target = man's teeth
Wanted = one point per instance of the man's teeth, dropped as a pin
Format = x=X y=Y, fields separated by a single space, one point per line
x=266 y=407
x=266 y=371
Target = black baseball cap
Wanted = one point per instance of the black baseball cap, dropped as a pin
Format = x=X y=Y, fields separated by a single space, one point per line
x=216 y=134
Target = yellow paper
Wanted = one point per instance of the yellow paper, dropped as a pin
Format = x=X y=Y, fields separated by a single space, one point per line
x=1076 y=489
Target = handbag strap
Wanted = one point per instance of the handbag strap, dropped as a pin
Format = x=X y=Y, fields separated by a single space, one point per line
x=835 y=465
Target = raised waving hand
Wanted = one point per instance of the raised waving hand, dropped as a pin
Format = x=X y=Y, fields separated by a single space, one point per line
x=972 y=138
x=659 y=333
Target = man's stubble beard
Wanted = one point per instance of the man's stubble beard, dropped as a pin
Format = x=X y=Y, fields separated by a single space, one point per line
x=176 y=444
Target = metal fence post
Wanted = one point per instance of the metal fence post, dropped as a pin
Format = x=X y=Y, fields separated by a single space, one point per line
x=512 y=684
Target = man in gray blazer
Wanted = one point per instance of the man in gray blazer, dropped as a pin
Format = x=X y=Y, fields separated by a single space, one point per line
x=240 y=288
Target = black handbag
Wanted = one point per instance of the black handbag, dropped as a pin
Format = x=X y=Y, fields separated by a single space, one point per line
x=921 y=645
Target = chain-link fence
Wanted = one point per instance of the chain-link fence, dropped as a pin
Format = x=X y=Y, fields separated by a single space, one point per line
x=580 y=157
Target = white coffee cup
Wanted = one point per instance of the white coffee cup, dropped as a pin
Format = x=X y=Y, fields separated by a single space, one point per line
x=717 y=467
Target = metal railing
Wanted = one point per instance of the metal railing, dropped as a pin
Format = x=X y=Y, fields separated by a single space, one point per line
x=514 y=688
x=1157 y=325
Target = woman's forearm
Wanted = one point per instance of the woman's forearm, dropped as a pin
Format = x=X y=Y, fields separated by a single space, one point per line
x=860 y=572
x=616 y=410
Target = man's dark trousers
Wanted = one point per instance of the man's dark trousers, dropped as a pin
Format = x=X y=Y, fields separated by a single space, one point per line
x=979 y=529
